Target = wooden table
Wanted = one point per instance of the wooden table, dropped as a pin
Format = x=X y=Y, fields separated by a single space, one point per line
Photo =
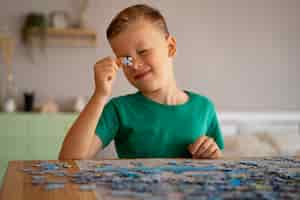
x=17 y=184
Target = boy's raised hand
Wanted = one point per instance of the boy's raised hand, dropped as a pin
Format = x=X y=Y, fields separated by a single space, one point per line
x=204 y=147
x=105 y=73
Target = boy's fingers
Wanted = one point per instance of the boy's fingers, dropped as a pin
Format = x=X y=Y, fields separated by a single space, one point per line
x=119 y=62
x=195 y=146
x=116 y=65
x=215 y=154
x=108 y=61
x=203 y=148
x=208 y=152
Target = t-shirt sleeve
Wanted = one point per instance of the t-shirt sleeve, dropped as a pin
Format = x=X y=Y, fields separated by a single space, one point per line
x=108 y=124
x=214 y=130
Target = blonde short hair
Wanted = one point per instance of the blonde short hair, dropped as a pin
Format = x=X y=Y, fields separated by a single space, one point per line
x=133 y=14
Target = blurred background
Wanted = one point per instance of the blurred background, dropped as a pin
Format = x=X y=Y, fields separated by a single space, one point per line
x=244 y=55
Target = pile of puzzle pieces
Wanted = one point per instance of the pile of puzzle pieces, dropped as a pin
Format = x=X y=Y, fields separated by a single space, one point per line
x=265 y=178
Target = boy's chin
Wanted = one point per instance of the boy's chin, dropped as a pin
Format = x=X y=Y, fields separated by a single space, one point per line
x=147 y=87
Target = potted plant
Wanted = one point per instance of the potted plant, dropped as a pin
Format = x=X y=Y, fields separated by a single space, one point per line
x=35 y=23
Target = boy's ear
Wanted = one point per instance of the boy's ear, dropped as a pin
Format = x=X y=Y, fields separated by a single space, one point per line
x=172 y=46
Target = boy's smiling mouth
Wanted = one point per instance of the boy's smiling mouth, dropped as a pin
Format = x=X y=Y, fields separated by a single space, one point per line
x=142 y=74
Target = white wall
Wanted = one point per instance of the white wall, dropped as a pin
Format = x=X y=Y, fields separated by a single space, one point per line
x=243 y=54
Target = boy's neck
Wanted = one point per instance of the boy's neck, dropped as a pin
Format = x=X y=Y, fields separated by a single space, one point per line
x=171 y=95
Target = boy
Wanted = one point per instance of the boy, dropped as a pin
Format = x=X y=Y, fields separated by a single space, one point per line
x=160 y=120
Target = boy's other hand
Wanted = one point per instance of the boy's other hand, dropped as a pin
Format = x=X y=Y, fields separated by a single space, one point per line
x=204 y=147
x=105 y=73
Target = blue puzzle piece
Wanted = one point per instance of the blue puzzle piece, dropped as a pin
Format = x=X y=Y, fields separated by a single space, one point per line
x=54 y=186
x=127 y=61
x=87 y=187
x=235 y=182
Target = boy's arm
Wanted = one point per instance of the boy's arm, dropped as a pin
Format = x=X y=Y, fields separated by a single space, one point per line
x=81 y=141
x=211 y=144
x=95 y=147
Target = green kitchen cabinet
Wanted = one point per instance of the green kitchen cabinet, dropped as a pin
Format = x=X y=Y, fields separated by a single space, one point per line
x=32 y=136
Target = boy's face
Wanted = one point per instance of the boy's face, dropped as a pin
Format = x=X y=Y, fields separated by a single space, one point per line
x=151 y=52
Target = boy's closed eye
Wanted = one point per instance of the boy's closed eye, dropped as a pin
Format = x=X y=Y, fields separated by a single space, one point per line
x=143 y=51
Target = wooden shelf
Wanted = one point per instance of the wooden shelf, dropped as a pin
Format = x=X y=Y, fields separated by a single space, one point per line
x=68 y=37
x=72 y=32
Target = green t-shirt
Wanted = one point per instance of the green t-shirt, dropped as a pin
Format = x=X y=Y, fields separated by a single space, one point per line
x=143 y=128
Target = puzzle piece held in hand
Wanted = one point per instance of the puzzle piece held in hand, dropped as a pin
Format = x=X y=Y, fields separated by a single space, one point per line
x=127 y=61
